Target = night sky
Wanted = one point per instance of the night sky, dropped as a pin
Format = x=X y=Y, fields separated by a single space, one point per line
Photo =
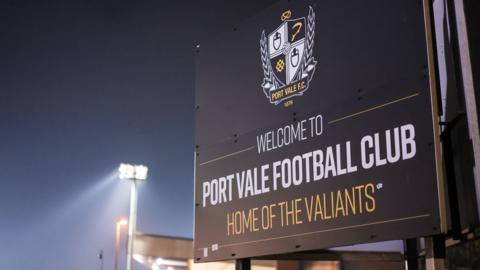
x=85 y=85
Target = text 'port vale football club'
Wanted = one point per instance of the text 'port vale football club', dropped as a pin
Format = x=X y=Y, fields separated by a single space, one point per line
x=331 y=161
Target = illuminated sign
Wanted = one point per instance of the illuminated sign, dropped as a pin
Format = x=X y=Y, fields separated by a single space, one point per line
x=351 y=160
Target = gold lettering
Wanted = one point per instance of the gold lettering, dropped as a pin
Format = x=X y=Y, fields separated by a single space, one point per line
x=309 y=208
x=265 y=217
x=339 y=204
x=342 y=203
x=297 y=212
x=281 y=204
x=255 y=219
x=288 y=103
x=325 y=207
x=290 y=214
x=360 y=200
x=332 y=205
x=230 y=224
x=370 y=208
x=318 y=207
x=350 y=202
x=247 y=220
x=238 y=222
x=272 y=215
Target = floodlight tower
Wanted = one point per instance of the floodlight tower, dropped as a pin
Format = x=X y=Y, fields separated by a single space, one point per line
x=119 y=224
x=133 y=173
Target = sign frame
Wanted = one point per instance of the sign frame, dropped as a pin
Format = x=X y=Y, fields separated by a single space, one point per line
x=430 y=53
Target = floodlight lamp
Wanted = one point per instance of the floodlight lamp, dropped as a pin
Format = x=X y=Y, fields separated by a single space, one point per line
x=141 y=172
x=126 y=171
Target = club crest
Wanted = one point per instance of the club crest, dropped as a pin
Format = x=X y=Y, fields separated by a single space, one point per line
x=287 y=57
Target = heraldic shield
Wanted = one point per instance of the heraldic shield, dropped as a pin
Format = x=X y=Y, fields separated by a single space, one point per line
x=286 y=46
x=287 y=57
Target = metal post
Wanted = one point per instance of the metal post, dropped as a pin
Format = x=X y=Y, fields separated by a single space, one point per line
x=100 y=256
x=468 y=90
x=242 y=264
x=455 y=227
x=132 y=224
x=411 y=254
x=117 y=244
x=435 y=252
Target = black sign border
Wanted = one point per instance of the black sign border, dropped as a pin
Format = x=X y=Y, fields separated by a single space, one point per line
x=439 y=163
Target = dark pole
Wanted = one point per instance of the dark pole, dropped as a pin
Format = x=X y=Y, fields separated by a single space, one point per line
x=435 y=252
x=100 y=256
x=411 y=253
x=242 y=264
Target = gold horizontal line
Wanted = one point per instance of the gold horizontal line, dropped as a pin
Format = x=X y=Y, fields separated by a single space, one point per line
x=229 y=155
x=374 y=108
